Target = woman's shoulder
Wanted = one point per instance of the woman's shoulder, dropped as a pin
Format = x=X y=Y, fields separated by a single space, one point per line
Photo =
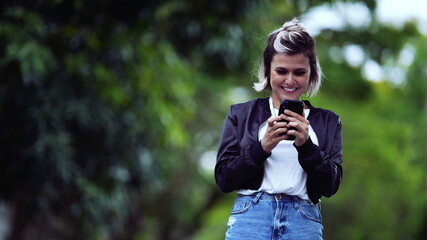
x=257 y=106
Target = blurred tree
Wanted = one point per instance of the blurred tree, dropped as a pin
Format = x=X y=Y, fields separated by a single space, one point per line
x=416 y=100
x=98 y=113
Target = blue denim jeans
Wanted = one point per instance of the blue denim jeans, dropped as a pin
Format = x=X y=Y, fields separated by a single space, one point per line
x=263 y=216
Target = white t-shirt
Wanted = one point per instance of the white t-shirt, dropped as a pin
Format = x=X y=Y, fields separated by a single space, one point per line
x=282 y=171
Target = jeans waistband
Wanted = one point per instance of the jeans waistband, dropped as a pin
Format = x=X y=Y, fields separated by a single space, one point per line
x=276 y=197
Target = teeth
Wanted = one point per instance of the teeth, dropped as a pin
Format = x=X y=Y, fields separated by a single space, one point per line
x=290 y=89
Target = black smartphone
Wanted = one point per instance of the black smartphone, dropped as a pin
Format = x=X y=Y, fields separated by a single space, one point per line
x=293 y=105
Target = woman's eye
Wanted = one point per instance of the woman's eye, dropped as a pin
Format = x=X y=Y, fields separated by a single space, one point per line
x=281 y=72
x=300 y=73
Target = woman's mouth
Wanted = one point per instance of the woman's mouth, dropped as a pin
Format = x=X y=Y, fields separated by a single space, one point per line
x=289 y=90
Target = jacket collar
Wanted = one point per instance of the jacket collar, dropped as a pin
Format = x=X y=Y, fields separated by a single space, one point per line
x=266 y=113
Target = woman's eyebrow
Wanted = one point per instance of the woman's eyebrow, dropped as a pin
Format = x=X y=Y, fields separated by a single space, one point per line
x=284 y=68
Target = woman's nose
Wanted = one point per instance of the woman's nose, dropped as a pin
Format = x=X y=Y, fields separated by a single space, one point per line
x=289 y=78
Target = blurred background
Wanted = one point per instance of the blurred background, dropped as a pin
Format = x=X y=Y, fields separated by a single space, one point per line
x=110 y=113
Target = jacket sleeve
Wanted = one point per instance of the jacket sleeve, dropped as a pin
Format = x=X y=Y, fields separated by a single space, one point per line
x=238 y=167
x=324 y=168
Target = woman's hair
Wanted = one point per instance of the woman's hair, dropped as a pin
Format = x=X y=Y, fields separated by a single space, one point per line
x=292 y=38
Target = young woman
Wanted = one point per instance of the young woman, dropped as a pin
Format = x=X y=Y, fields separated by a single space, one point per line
x=279 y=182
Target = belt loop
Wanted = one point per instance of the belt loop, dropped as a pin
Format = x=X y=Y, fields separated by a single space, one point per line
x=257 y=197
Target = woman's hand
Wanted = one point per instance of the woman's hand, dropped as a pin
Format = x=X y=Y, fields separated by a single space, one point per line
x=300 y=123
x=276 y=132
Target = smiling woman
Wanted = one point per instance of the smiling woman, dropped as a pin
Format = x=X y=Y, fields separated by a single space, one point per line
x=280 y=169
x=292 y=39
x=290 y=76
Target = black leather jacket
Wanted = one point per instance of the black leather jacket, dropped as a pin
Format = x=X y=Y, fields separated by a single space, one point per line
x=240 y=159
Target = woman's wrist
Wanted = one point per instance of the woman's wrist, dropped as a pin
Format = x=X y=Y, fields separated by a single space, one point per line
x=264 y=147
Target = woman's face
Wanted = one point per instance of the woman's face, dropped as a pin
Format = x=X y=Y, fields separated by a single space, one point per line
x=289 y=77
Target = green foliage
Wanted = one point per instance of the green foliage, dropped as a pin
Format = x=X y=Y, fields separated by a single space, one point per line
x=99 y=113
x=378 y=171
